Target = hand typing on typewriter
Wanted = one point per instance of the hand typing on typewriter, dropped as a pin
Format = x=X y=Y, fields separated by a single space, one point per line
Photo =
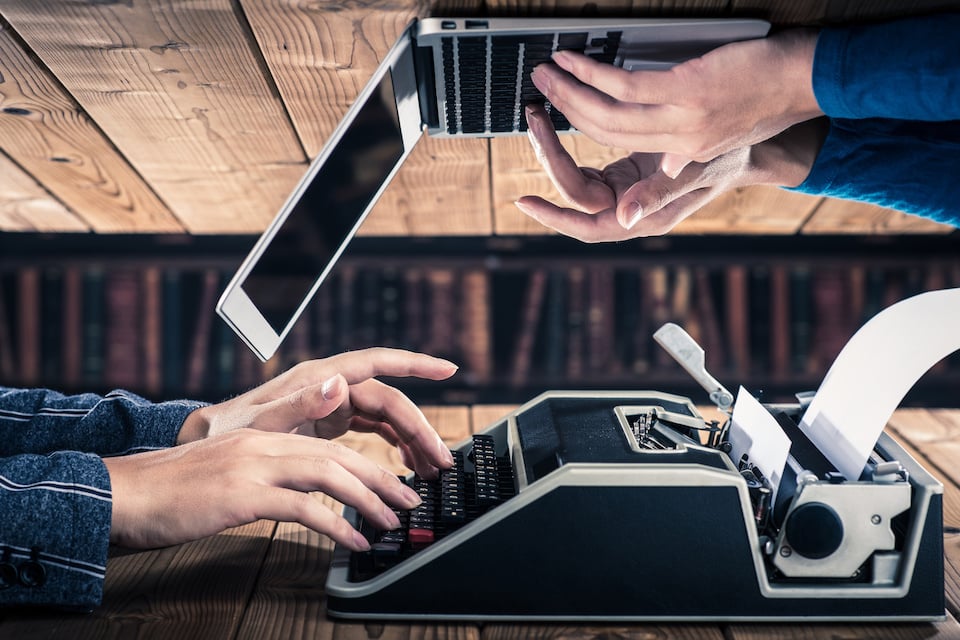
x=259 y=455
x=633 y=197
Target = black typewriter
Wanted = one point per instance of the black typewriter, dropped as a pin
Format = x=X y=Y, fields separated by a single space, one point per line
x=626 y=506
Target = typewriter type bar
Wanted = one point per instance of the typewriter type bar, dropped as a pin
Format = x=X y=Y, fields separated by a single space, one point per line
x=624 y=506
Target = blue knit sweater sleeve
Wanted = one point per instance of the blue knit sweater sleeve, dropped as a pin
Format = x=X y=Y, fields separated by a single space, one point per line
x=55 y=493
x=892 y=92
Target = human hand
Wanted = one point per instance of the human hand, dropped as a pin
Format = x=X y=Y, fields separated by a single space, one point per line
x=198 y=489
x=732 y=97
x=326 y=398
x=632 y=197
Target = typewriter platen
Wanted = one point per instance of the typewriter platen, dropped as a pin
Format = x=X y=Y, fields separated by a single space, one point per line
x=622 y=506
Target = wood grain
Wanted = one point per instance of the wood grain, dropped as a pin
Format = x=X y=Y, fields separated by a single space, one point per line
x=178 y=89
x=847 y=217
x=26 y=206
x=86 y=183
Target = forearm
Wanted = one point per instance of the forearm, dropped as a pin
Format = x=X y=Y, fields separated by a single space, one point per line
x=55 y=529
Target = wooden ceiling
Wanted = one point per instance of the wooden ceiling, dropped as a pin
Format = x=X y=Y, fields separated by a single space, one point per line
x=199 y=116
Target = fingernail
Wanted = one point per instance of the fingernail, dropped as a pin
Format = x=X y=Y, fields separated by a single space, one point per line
x=525 y=209
x=562 y=59
x=540 y=79
x=410 y=497
x=331 y=387
x=391 y=518
x=452 y=365
x=635 y=217
x=360 y=541
x=445 y=452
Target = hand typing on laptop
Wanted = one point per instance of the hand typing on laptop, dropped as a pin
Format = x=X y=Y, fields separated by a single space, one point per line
x=259 y=455
x=889 y=92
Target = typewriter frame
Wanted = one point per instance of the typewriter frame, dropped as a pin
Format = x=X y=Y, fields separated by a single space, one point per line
x=698 y=558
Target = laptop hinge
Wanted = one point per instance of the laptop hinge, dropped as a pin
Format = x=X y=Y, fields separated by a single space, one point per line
x=426 y=85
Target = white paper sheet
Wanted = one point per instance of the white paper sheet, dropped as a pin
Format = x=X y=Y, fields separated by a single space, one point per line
x=873 y=373
x=754 y=431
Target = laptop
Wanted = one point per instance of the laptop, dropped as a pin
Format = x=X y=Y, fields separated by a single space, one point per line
x=444 y=77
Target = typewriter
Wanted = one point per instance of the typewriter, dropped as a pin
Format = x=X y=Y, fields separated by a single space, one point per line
x=628 y=506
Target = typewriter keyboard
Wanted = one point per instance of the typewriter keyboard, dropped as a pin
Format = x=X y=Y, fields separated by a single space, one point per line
x=476 y=483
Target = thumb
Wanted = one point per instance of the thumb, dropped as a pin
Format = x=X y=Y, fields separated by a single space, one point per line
x=672 y=164
x=304 y=405
x=651 y=194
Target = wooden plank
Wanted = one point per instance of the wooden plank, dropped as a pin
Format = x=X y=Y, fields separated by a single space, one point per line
x=50 y=137
x=195 y=590
x=26 y=206
x=178 y=89
x=930 y=436
x=848 y=217
x=289 y=600
x=751 y=210
x=485 y=415
x=321 y=57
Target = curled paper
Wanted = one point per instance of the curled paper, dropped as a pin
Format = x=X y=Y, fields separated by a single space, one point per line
x=873 y=373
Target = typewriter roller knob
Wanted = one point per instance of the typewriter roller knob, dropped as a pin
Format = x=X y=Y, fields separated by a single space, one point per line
x=814 y=530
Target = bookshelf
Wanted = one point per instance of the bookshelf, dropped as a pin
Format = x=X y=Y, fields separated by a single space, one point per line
x=519 y=314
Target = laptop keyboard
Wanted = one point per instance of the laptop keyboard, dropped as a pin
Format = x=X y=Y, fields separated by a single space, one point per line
x=487 y=78
x=475 y=484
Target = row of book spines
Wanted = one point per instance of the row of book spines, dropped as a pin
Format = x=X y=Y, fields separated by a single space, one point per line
x=776 y=321
x=154 y=331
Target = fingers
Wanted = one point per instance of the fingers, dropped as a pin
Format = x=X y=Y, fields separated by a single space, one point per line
x=586 y=227
x=356 y=366
x=654 y=193
x=605 y=119
x=399 y=421
x=644 y=87
x=672 y=164
x=581 y=189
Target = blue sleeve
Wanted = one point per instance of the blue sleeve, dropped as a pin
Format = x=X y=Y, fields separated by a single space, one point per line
x=55 y=494
x=55 y=530
x=43 y=421
x=907 y=166
x=906 y=69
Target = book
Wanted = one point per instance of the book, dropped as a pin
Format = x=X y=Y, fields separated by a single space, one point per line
x=528 y=323
x=475 y=334
x=72 y=328
x=575 y=322
x=174 y=370
x=123 y=364
x=779 y=322
x=711 y=335
x=28 y=325
x=51 y=325
x=152 y=285
x=8 y=366
x=94 y=325
x=197 y=364
x=738 y=325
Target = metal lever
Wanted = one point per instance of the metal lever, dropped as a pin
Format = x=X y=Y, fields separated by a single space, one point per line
x=689 y=354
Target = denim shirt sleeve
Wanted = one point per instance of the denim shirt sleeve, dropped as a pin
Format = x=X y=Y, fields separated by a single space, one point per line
x=905 y=69
x=892 y=93
x=55 y=493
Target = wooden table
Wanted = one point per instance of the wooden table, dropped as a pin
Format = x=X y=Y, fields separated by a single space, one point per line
x=265 y=580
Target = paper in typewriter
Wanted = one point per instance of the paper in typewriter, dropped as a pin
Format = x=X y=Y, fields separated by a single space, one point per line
x=873 y=373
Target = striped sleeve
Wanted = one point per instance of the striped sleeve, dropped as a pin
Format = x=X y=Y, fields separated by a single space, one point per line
x=55 y=530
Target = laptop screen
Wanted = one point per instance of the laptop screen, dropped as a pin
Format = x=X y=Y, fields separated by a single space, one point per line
x=326 y=211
